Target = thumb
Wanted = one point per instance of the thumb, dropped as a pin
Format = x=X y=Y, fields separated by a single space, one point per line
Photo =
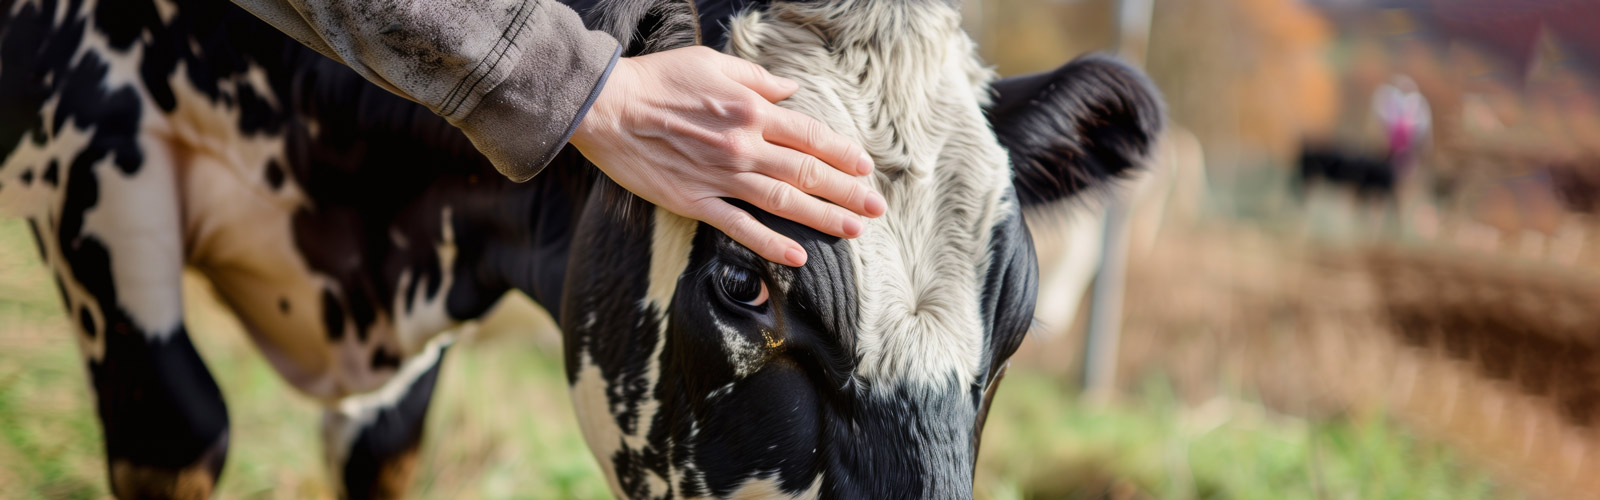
x=771 y=87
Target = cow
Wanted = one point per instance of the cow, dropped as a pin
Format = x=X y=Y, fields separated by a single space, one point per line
x=1371 y=177
x=348 y=228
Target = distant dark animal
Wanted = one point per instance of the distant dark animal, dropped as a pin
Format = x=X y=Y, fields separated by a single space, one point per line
x=348 y=228
x=1372 y=177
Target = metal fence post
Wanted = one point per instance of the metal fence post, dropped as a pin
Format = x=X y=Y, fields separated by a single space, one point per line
x=1105 y=302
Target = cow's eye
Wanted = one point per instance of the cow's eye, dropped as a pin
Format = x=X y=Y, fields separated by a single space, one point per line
x=742 y=286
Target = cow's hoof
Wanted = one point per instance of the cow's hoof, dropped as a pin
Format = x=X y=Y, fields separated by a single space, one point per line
x=130 y=481
x=394 y=478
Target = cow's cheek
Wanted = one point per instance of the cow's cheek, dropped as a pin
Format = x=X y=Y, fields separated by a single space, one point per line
x=768 y=425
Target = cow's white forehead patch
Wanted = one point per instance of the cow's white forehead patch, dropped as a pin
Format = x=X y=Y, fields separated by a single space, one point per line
x=910 y=89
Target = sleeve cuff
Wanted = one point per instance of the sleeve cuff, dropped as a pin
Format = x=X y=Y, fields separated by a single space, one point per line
x=572 y=128
x=524 y=122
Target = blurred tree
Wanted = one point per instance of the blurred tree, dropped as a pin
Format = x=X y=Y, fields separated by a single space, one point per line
x=1024 y=36
x=1249 y=76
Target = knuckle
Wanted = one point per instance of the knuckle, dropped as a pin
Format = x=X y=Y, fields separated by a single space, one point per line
x=829 y=142
x=850 y=151
x=735 y=149
x=814 y=133
x=854 y=194
x=744 y=226
x=756 y=112
x=745 y=220
x=725 y=218
x=778 y=197
x=831 y=218
x=742 y=112
x=777 y=242
x=748 y=112
x=811 y=171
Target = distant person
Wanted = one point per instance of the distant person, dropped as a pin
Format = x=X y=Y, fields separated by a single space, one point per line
x=1407 y=125
x=1376 y=177
x=1407 y=121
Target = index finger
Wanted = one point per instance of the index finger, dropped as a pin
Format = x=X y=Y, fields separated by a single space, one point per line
x=745 y=229
x=805 y=134
x=773 y=88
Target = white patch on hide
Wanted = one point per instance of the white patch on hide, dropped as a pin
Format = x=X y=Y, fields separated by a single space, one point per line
x=137 y=219
x=123 y=65
x=342 y=422
x=427 y=315
x=768 y=488
x=41 y=204
x=240 y=233
x=744 y=355
x=599 y=427
x=671 y=239
x=166 y=10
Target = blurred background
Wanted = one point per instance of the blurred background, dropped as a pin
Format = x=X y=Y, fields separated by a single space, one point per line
x=1361 y=266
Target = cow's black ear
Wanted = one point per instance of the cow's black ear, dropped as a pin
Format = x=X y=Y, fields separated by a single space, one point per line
x=1075 y=128
x=642 y=26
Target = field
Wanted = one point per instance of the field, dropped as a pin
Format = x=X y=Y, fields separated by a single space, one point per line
x=502 y=427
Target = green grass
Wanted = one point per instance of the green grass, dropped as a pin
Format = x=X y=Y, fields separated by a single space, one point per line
x=1043 y=443
x=502 y=427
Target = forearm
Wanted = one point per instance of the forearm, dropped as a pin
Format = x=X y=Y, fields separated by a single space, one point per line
x=515 y=75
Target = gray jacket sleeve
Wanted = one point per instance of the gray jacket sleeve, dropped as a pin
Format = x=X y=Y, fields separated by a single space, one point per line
x=515 y=75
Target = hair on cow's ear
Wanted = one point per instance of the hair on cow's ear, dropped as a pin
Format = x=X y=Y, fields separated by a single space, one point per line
x=642 y=26
x=1075 y=128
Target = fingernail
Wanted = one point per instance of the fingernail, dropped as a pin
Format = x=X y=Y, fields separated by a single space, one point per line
x=789 y=84
x=852 y=227
x=797 y=257
x=865 y=165
x=876 y=205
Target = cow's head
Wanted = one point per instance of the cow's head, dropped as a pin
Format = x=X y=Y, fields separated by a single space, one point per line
x=699 y=369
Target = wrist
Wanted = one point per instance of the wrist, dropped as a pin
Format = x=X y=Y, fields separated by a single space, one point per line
x=603 y=114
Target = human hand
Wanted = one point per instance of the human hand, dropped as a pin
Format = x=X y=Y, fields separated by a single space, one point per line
x=687 y=127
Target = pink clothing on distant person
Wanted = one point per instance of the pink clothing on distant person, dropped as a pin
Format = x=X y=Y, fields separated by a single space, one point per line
x=1406 y=119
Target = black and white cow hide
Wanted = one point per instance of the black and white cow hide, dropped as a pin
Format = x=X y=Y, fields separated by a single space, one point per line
x=349 y=228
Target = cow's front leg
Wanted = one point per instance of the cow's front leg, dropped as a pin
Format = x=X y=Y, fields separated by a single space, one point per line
x=114 y=243
x=166 y=427
x=370 y=441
